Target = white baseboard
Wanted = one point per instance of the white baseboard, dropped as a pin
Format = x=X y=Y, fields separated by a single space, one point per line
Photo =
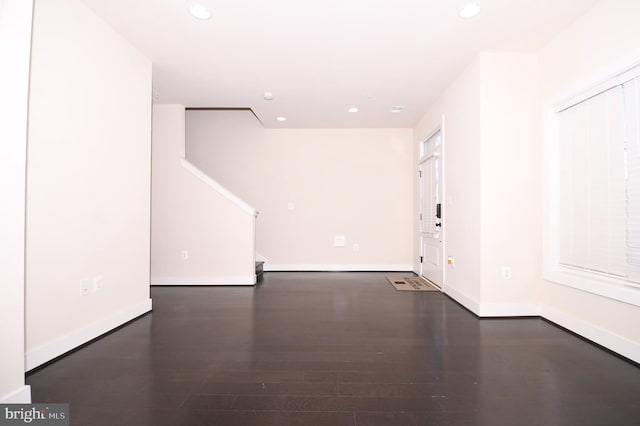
x=599 y=335
x=462 y=299
x=335 y=268
x=49 y=351
x=239 y=280
x=20 y=396
x=487 y=310
x=509 y=310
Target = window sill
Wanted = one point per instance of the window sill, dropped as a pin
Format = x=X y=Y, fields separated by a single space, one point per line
x=594 y=283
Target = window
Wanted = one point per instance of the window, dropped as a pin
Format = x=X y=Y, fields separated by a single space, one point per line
x=592 y=227
x=430 y=144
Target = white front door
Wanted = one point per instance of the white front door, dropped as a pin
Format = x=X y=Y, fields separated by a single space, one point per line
x=431 y=210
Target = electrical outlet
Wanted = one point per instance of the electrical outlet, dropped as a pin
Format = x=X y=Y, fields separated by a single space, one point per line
x=506 y=272
x=184 y=254
x=85 y=289
x=339 y=241
x=97 y=283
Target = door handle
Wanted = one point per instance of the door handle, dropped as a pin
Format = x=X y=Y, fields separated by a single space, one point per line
x=439 y=211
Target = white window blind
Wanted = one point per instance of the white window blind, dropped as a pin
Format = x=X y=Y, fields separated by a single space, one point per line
x=631 y=93
x=599 y=184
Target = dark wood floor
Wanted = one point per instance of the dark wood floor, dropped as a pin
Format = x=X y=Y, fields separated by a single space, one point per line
x=336 y=349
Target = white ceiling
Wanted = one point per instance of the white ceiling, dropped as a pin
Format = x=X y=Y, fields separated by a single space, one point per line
x=319 y=58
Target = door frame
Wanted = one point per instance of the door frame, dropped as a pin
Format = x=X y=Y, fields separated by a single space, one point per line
x=421 y=159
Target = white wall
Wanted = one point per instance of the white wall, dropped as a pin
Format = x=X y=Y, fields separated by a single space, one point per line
x=593 y=47
x=88 y=180
x=460 y=106
x=352 y=182
x=511 y=197
x=15 y=48
x=189 y=215
x=606 y=35
x=492 y=212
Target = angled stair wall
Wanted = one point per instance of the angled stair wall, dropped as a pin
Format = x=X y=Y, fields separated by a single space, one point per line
x=202 y=234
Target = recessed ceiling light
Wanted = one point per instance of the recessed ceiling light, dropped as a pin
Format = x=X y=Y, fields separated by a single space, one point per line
x=199 y=11
x=281 y=118
x=268 y=96
x=470 y=10
x=353 y=109
x=397 y=108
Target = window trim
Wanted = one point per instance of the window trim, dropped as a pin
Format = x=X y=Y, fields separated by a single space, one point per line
x=591 y=282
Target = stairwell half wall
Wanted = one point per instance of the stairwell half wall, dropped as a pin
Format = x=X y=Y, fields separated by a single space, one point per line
x=199 y=236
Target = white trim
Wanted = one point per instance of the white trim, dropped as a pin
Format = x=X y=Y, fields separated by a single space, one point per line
x=619 y=344
x=429 y=155
x=595 y=82
x=238 y=280
x=261 y=258
x=487 y=310
x=606 y=286
x=218 y=188
x=19 y=396
x=600 y=87
x=509 y=310
x=462 y=299
x=64 y=344
x=340 y=268
x=443 y=202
